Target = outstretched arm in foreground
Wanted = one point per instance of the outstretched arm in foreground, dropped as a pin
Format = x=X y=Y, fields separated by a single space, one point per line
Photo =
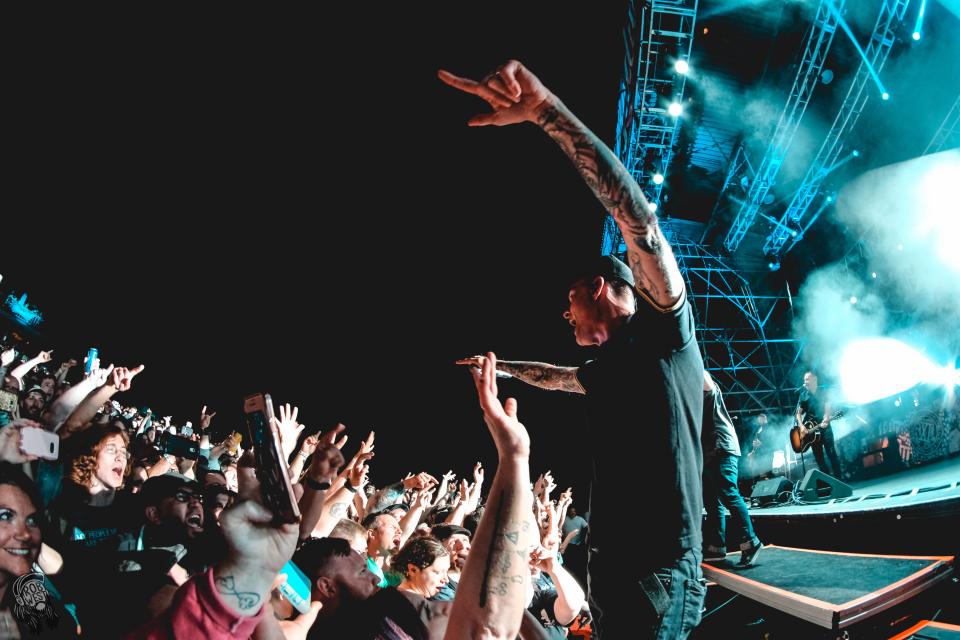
x=493 y=588
x=538 y=374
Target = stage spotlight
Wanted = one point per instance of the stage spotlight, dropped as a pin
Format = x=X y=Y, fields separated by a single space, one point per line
x=658 y=178
x=853 y=299
x=653 y=207
x=773 y=265
x=885 y=95
x=855 y=153
x=875 y=368
x=681 y=66
x=897 y=402
x=675 y=109
x=916 y=35
x=874 y=275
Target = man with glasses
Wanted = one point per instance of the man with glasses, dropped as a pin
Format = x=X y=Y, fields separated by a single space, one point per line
x=173 y=510
x=168 y=549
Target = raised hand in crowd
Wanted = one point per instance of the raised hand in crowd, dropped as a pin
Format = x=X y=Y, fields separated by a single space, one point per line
x=492 y=593
x=205 y=418
x=318 y=481
x=289 y=429
x=64 y=369
x=422 y=480
x=443 y=489
x=23 y=369
x=122 y=377
x=7 y=356
x=307 y=447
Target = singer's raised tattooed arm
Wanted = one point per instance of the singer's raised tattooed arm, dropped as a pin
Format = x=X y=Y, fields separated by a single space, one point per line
x=648 y=253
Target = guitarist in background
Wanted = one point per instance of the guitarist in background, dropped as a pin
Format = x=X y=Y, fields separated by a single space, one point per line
x=814 y=407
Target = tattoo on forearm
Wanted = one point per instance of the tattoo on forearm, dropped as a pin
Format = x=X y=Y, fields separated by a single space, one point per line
x=505 y=543
x=226 y=586
x=616 y=189
x=545 y=376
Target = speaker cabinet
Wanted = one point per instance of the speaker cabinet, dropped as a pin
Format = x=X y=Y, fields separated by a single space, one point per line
x=817 y=485
x=766 y=491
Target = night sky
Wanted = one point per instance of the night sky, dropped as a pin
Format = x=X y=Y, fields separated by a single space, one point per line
x=294 y=204
x=298 y=207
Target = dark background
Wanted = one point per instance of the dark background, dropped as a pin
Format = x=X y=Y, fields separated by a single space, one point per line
x=297 y=206
x=293 y=203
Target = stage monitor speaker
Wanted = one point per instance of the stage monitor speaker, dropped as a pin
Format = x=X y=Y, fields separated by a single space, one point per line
x=767 y=491
x=817 y=485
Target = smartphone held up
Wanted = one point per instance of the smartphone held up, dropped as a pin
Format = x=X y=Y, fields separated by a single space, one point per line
x=271 y=468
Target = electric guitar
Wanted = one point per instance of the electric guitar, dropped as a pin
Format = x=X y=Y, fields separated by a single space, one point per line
x=802 y=437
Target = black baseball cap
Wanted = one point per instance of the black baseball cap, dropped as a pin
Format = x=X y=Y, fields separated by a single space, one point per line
x=607 y=266
x=155 y=489
x=443 y=531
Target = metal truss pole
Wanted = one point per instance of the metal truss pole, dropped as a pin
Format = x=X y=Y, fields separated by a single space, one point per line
x=743 y=337
x=948 y=134
x=657 y=33
x=818 y=44
x=877 y=50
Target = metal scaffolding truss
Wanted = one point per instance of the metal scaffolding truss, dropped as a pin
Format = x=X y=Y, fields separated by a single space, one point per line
x=819 y=39
x=948 y=134
x=657 y=34
x=744 y=337
x=876 y=53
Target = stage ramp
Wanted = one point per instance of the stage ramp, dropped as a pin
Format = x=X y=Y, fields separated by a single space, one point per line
x=930 y=630
x=829 y=589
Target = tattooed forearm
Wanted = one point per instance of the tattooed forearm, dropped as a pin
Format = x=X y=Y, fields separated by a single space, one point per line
x=545 y=376
x=227 y=587
x=505 y=553
x=604 y=174
x=650 y=258
x=337 y=510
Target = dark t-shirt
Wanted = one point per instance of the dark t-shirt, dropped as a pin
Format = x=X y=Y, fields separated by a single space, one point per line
x=544 y=598
x=719 y=433
x=811 y=406
x=645 y=402
x=386 y=615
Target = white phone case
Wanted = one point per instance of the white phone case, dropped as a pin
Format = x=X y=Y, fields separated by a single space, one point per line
x=40 y=443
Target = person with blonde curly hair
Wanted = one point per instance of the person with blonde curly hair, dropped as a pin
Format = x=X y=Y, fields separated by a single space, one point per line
x=91 y=520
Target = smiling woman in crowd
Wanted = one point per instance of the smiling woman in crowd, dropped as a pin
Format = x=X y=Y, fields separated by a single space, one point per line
x=26 y=606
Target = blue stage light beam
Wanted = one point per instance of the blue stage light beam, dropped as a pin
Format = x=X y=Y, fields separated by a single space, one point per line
x=846 y=29
x=875 y=368
x=917 y=28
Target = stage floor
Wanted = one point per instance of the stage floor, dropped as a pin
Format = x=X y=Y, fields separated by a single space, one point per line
x=829 y=589
x=935 y=482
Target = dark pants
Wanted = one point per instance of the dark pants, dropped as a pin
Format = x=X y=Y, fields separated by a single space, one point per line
x=665 y=605
x=720 y=490
x=825 y=443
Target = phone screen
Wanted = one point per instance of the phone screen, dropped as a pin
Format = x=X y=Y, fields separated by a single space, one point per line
x=179 y=446
x=271 y=468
